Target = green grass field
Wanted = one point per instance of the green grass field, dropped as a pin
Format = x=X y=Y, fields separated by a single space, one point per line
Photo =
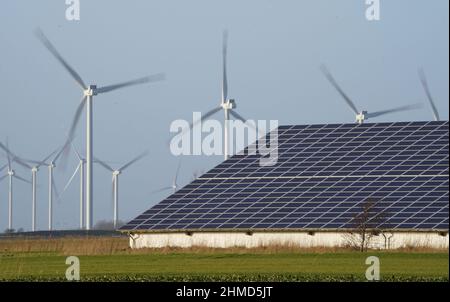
x=289 y=265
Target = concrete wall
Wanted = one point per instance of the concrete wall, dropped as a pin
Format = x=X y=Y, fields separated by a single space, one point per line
x=300 y=239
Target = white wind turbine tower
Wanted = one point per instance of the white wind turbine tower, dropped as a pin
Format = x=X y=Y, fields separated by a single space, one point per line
x=362 y=115
x=78 y=169
x=115 y=182
x=89 y=91
x=227 y=105
x=11 y=174
x=424 y=82
x=174 y=186
x=52 y=187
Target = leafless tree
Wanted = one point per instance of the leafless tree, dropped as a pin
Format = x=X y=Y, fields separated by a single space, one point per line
x=369 y=222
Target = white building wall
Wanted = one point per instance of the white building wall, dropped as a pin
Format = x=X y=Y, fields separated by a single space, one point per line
x=299 y=239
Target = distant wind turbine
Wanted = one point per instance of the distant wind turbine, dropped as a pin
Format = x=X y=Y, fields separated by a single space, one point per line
x=78 y=169
x=89 y=91
x=174 y=186
x=362 y=115
x=115 y=182
x=52 y=187
x=34 y=170
x=11 y=175
x=227 y=105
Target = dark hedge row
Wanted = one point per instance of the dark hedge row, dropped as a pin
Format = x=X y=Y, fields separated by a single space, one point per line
x=232 y=278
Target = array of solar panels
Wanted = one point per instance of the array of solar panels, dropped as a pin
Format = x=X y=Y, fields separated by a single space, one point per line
x=324 y=176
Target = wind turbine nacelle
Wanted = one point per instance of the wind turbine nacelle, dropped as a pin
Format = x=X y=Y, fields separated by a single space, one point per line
x=361 y=117
x=91 y=90
x=229 y=104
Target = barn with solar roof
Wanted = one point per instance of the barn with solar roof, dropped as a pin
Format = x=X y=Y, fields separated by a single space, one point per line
x=317 y=193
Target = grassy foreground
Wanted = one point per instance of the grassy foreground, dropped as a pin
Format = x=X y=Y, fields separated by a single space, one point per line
x=109 y=259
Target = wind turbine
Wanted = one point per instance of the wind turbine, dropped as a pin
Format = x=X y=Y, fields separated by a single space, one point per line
x=174 y=186
x=115 y=182
x=227 y=105
x=34 y=170
x=89 y=91
x=424 y=82
x=11 y=174
x=51 y=181
x=80 y=169
x=52 y=187
x=362 y=115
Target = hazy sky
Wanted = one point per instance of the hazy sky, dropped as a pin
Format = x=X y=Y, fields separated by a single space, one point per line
x=275 y=49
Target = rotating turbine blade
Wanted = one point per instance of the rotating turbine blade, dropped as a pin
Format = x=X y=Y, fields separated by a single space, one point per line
x=103 y=164
x=140 y=156
x=147 y=79
x=48 y=156
x=76 y=119
x=70 y=181
x=204 y=117
x=383 y=112
x=3 y=167
x=22 y=179
x=333 y=82
x=8 y=155
x=21 y=162
x=162 y=190
x=424 y=82
x=177 y=172
x=60 y=151
x=41 y=36
x=242 y=119
x=12 y=157
x=224 y=66
x=39 y=163
x=76 y=151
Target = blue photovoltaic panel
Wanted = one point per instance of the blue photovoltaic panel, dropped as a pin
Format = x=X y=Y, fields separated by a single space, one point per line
x=323 y=177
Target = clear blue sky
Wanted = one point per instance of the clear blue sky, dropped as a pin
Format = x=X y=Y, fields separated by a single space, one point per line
x=275 y=49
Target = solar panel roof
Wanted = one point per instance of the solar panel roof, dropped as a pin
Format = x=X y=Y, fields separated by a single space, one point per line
x=322 y=179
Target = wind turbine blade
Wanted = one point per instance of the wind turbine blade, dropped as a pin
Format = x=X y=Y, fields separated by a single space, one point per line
x=177 y=172
x=39 y=163
x=383 y=112
x=54 y=188
x=333 y=82
x=162 y=190
x=21 y=162
x=3 y=167
x=140 y=156
x=241 y=118
x=44 y=161
x=147 y=79
x=424 y=82
x=204 y=117
x=70 y=180
x=8 y=155
x=12 y=157
x=3 y=177
x=76 y=151
x=22 y=179
x=60 y=151
x=103 y=164
x=76 y=119
x=41 y=36
x=224 y=66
